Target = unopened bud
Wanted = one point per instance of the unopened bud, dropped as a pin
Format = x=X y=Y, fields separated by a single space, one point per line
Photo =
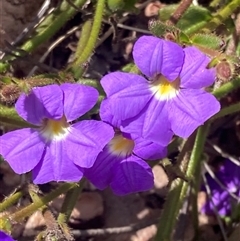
x=224 y=71
x=170 y=37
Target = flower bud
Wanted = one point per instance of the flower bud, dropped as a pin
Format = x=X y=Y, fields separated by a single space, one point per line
x=224 y=71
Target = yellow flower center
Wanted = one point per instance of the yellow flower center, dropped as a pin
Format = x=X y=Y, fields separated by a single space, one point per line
x=55 y=129
x=164 y=89
x=121 y=146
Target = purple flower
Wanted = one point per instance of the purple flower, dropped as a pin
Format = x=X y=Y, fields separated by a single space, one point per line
x=5 y=237
x=229 y=175
x=171 y=98
x=56 y=149
x=122 y=164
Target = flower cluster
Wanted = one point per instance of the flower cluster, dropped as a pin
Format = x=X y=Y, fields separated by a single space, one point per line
x=139 y=116
x=228 y=174
x=5 y=237
x=171 y=99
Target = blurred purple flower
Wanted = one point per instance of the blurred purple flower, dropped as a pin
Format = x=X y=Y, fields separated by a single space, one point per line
x=229 y=175
x=5 y=237
x=56 y=149
x=172 y=100
x=122 y=164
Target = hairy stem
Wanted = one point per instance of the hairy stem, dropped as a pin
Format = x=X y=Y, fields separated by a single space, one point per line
x=9 y=201
x=82 y=43
x=69 y=203
x=97 y=21
x=179 y=188
x=27 y=211
x=221 y=16
x=227 y=111
x=227 y=88
x=9 y=115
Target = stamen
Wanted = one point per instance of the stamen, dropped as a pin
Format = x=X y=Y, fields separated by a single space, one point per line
x=121 y=146
x=55 y=129
x=164 y=89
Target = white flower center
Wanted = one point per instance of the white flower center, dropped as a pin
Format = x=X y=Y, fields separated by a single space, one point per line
x=55 y=129
x=121 y=146
x=164 y=89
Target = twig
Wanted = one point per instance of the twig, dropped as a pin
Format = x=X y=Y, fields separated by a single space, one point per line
x=116 y=230
x=133 y=28
x=52 y=46
x=233 y=43
x=30 y=27
x=73 y=5
x=182 y=8
x=122 y=20
x=224 y=154
x=213 y=176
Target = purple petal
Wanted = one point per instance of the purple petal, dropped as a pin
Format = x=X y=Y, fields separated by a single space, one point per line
x=220 y=201
x=78 y=99
x=56 y=165
x=195 y=74
x=148 y=150
x=157 y=56
x=100 y=174
x=42 y=102
x=130 y=176
x=22 y=149
x=106 y=114
x=114 y=82
x=5 y=237
x=129 y=102
x=190 y=109
x=87 y=140
x=152 y=123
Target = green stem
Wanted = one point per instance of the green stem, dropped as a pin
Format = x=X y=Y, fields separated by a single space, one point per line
x=10 y=116
x=215 y=3
x=97 y=21
x=169 y=214
x=227 y=88
x=9 y=201
x=48 y=27
x=27 y=211
x=52 y=24
x=83 y=40
x=179 y=188
x=69 y=203
x=221 y=16
x=227 y=111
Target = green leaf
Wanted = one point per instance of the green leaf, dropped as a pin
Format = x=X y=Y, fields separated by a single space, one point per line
x=207 y=40
x=158 y=28
x=192 y=20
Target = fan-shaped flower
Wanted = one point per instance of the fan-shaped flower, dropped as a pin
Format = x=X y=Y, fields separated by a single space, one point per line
x=122 y=164
x=56 y=149
x=171 y=99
